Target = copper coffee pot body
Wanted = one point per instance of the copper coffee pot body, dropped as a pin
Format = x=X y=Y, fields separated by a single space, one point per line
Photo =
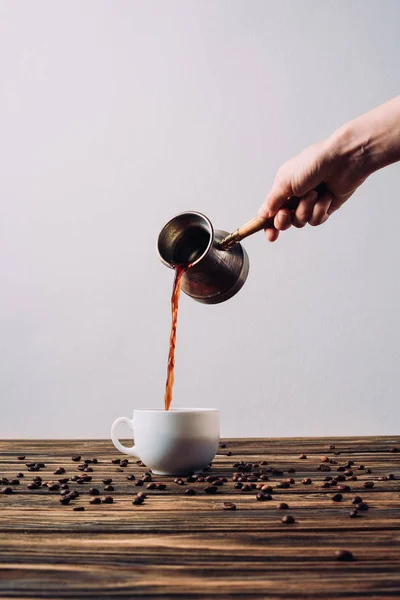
x=215 y=274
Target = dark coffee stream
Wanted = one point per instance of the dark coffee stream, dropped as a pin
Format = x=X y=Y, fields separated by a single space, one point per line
x=179 y=271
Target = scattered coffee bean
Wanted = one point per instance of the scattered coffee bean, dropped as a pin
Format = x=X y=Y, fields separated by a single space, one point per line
x=337 y=497
x=138 y=500
x=87 y=461
x=211 y=489
x=261 y=497
x=94 y=461
x=108 y=488
x=228 y=506
x=344 y=488
x=191 y=479
x=282 y=506
x=340 y=478
x=306 y=481
x=332 y=447
x=341 y=469
x=4 y=481
x=107 y=500
x=86 y=478
x=130 y=477
x=53 y=487
x=344 y=555
x=6 y=490
x=352 y=478
x=21 y=475
x=88 y=470
x=116 y=461
x=382 y=478
x=64 y=492
x=303 y=456
x=78 y=508
x=324 y=459
x=76 y=458
x=283 y=485
x=267 y=489
x=323 y=467
x=348 y=473
x=74 y=494
x=192 y=492
x=393 y=449
x=141 y=495
x=21 y=457
x=74 y=478
x=161 y=486
x=353 y=514
x=291 y=470
x=95 y=500
x=390 y=476
x=107 y=481
x=94 y=491
x=238 y=485
x=288 y=520
x=14 y=482
x=65 y=499
x=124 y=463
x=363 y=506
x=356 y=500
x=139 y=482
x=63 y=481
x=222 y=445
x=368 y=471
x=32 y=486
x=179 y=481
x=151 y=486
x=368 y=484
x=59 y=471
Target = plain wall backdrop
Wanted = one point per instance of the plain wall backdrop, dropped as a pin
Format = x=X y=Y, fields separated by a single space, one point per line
x=117 y=114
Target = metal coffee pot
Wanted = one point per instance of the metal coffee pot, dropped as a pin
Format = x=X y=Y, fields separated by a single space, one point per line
x=216 y=263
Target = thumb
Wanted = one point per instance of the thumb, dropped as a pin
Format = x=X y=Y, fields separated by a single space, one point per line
x=277 y=197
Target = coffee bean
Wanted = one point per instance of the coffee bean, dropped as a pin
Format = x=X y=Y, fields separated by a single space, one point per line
x=368 y=471
x=87 y=461
x=303 y=456
x=6 y=490
x=54 y=487
x=348 y=473
x=130 y=477
x=223 y=479
x=4 y=481
x=222 y=445
x=228 y=506
x=59 y=471
x=64 y=486
x=368 y=484
x=78 y=508
x=14 y=482
x=141 y=495
x=288 y=520
x=393 y=449
x=139 y=482
x=328 y=478
x=94 y=461
x=192 y=492
x=140 y=463
x=74 y=478
x=107 y=500
x=108 y=488
x=353 y=514
x=261 y=497
x=30 y=465
x=324 y=459
x=267 y=489
x=138 y=500
x=94 y=491
x=291 y=470
x=363 y=506
x=282 y=506
x=382 y=478
x=326 y=485
x=332 y=446
x=21 y=457
x=264 y=477
x=21 y=475
x=95 y=500
x=81 y=467
x=306 y=481
x=107 y=481
x=88 y=470
x=340 y=478
x=344 y=488
x=179 y=481
x=229 y=453
x=238 y=485
x=76 y=458
x=32 y=486
x=62 y=481
x=211 y=489
x=65 y=499
x=341 y=469
x=325 y=468
x=292 y=481
x=352 y=478
x=356 y=500
x=191 y=479
x=390 y=476
x=116 y=461
x=246 y=487
x=161 y=486
x=344 y=555
x=283 y=485
x=86 y=478
x=124 y=463
x=151 y=486
x=337 y=497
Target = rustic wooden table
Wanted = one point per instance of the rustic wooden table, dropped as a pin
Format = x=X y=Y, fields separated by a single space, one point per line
x=176 y=545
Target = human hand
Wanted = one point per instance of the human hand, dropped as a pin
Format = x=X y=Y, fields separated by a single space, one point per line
x=323 y=176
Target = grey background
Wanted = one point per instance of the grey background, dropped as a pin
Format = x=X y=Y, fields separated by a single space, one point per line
x=114 y=116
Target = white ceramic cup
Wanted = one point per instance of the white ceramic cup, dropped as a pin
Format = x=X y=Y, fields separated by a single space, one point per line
x=172 y=442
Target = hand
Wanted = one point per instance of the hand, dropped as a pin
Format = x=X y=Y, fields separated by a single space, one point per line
x=323 y=176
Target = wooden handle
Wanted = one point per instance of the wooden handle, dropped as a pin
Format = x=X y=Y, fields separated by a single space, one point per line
x=258 y=223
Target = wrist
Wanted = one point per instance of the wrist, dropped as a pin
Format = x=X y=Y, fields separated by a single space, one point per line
x=351 y=144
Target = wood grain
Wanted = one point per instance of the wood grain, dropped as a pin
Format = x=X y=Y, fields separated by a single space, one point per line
x=177 y=546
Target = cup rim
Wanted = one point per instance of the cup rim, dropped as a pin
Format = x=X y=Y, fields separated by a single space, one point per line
x=210 y=241
x=176 y=410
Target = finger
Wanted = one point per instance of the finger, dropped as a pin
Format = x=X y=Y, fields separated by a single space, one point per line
x=277 y=197
x=320 y=210
x=272 y=234
x=283 y=219
x=304 y=210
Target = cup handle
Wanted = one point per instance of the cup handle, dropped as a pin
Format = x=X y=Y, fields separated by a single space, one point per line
x=114 y=436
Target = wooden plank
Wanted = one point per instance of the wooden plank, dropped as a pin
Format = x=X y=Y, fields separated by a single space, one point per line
x=179 y=546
